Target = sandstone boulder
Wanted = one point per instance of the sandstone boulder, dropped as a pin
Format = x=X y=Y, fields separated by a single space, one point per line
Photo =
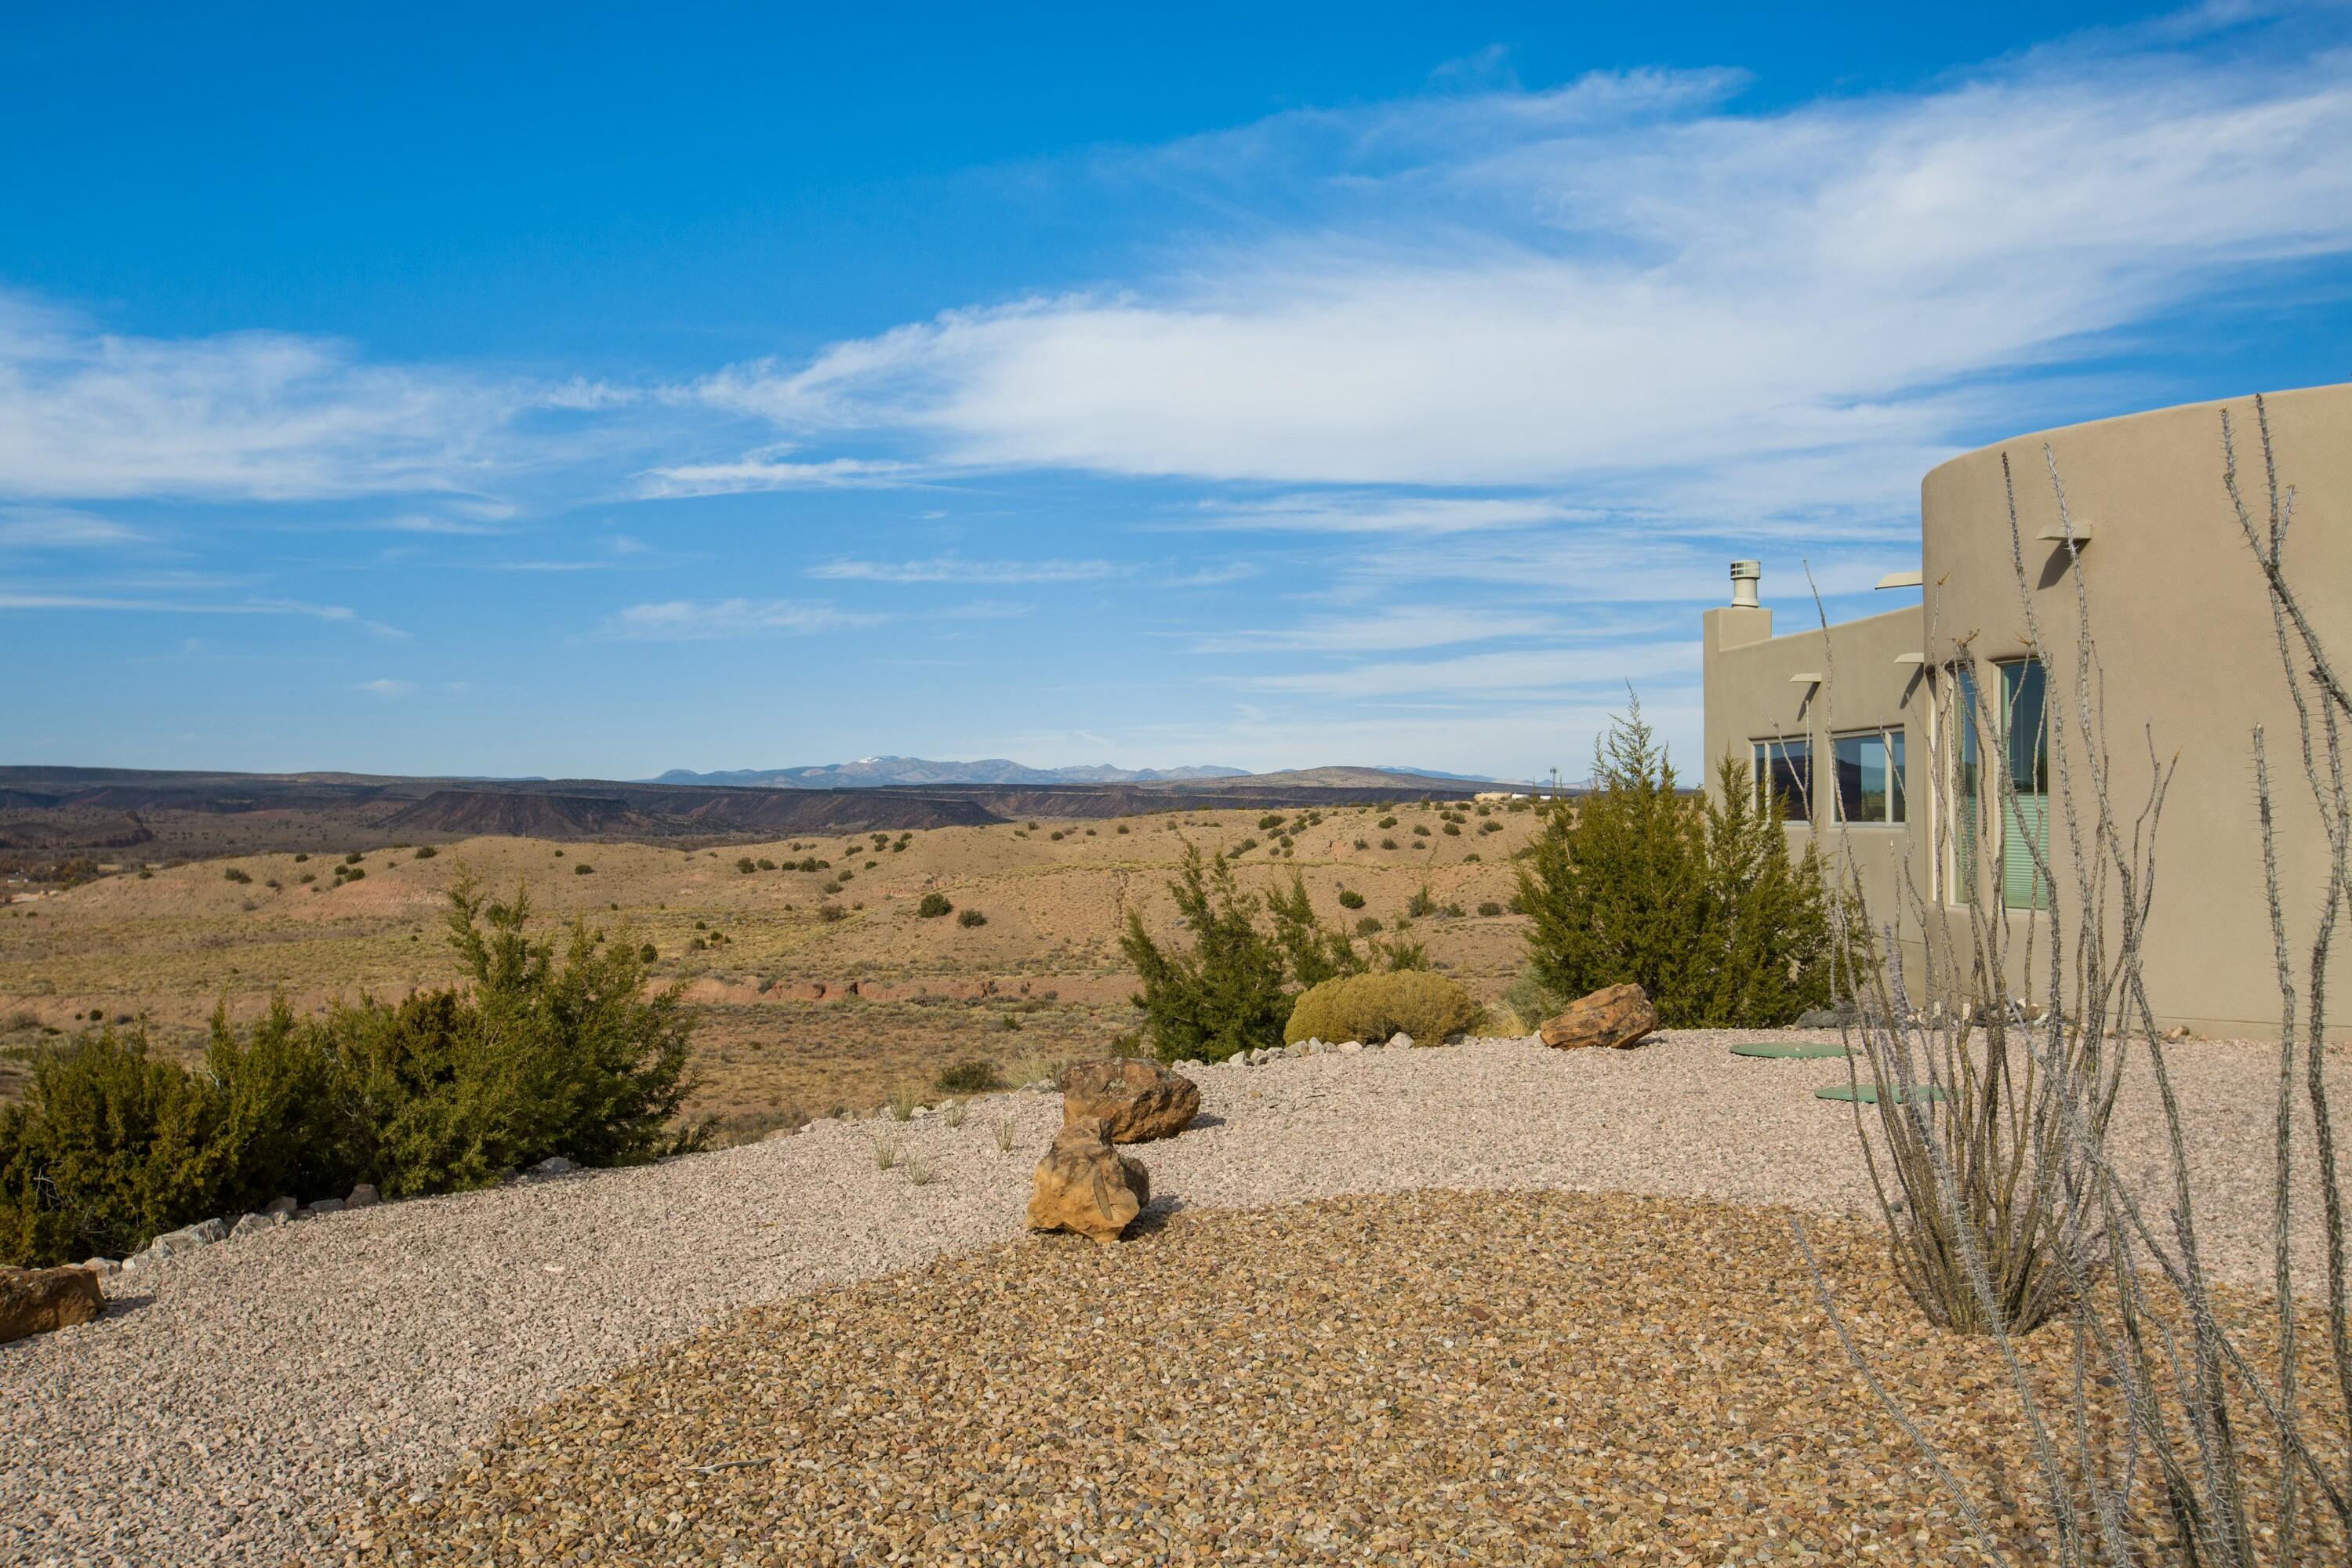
x=1616 y=1017
x=1136 y=1100
x=1085 y=1185
x=36 y=1300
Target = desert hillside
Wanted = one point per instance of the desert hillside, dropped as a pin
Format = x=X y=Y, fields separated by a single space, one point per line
x=822 y=987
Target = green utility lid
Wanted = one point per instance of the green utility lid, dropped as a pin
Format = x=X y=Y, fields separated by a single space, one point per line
x=1803 y=1049
x=1868 y=1093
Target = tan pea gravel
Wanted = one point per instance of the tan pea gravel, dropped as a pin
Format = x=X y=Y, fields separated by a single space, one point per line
x=1505 y=1378
x=230 y=1412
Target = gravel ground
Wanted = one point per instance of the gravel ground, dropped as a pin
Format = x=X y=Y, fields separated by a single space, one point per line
x=268 y=1384
x=1490 y=1377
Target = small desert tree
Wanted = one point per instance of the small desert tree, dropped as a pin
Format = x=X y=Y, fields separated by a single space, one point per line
x=1226 y=994
x=1698 y=902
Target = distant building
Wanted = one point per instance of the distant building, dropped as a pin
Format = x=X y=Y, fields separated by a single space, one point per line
x=1847 y=725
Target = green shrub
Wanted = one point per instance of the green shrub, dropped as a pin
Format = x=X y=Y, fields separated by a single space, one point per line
x=1388 y=843
x=829 y=912
x=933 y=906
x=583 y=869
x=977 y=1075
x=1699 y=903
x=649 y=953
x=1420 y=903
x=1350 y=899
x=352 y=873
x=1269 y=822
x=233 y=874
x=1420 y=830
x=1490 y=908
x=299 y=859
x=746 y=865
x=535 y=1055
x=1374 y=1007
x=424 y=852
x=972 y=917
x=1386 y=822
x=1453 y=830
x=1226 y=994
x=1369 y=926
x=354 y=857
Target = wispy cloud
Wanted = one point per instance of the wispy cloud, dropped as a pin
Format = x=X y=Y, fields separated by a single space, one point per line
x=1489 y=675
x=12 y=599
x=385 y=686
x=1626 y=276
x=956 y=569
x=681 y=620
x=1388 y=627
x=1216 y=577
x=1359 y=514
x=250 y=416
x=57 y=528
x=768 y=473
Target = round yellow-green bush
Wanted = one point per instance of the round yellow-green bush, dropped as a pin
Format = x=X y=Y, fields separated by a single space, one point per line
x=1368 y=1007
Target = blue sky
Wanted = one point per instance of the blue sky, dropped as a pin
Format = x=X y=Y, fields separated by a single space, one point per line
x=589 y=390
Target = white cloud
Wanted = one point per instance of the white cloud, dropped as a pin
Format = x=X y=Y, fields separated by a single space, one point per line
x=1624 y=279
x=385 y=687
x=955 y=569
x=251 y=416
x=682 y=620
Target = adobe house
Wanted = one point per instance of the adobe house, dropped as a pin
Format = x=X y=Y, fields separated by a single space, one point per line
x=1847 y=724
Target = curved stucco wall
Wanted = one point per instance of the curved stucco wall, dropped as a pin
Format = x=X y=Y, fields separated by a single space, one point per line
x=2184 y=635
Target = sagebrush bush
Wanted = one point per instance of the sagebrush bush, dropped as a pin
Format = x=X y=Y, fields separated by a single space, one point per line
x=538 y=1054
x=976 y=1075
x=1350 y=899
x=971 y=918
x=1427 y=1005
x=424 y=852
x=933 y=906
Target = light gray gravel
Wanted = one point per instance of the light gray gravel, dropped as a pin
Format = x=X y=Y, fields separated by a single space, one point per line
x=230 y=1414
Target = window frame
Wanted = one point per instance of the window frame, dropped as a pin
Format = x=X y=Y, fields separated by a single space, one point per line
x=1761 y=760
x=2001 y=750
x=1894 y=747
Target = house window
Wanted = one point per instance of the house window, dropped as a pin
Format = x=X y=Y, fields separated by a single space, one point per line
x=1784 y=778
x=2019 y=791
x=1869 y=776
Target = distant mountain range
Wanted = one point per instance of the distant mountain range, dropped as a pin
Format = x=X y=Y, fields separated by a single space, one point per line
x=874 y=772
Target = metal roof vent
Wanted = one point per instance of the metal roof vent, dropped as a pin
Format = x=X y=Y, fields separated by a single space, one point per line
x=1745 y=576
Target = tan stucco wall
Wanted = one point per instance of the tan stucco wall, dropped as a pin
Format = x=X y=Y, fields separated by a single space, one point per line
x=1751 y=695
x=2186 y=650
x=2187 y=660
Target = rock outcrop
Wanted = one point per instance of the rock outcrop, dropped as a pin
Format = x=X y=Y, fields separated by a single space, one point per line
x=1085 y=1185
x=37 y=1300
x=1136 y=1100
x=1616 y=1017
